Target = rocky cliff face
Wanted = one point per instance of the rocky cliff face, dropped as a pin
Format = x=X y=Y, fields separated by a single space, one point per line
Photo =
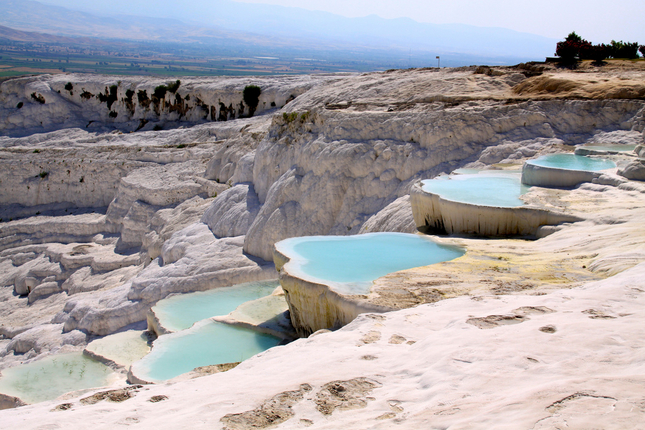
x=100 y=103
x=323 y=171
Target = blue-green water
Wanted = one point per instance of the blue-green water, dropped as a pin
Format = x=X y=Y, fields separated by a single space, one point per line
x=206 y=343
x=486 y=189
x=617 y=147
x=53 y=376
x=350 y=263
x=573 y=162
x=182 y=311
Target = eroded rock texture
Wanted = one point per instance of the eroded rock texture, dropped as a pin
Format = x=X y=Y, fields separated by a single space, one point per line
x=99 y=223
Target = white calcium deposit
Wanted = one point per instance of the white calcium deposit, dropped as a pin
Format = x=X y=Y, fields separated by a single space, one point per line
x=103 y=215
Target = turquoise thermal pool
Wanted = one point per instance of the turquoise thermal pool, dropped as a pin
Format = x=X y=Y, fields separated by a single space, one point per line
x=182 y=311
x=206 y=343
x=612 y=148
x=499 y=189
x=349 y=264
x=573 y=162
x=53 y=376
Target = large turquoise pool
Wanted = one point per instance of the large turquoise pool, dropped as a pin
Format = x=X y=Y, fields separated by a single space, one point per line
x=53 y=376
x=573 y=162
x=349 y=264
x=499 y=189
x=206 y=343
x=182 y=311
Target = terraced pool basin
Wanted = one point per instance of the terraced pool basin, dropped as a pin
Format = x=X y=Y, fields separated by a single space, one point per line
x=499 y=189
x=53 y=376
x=487 y=203
x=604 y=149
x=573 y=162
x=563 y=170
x=182 y=311
x=349 y=264
x=204 y=344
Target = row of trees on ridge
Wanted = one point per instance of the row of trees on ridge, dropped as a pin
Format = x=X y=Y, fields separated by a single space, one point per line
x=575 y=48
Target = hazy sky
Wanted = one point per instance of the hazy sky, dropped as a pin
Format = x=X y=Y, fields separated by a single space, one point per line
x=598 y=21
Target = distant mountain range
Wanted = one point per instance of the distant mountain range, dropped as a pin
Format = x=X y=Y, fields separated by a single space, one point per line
x=7 y=33
x=221 y=22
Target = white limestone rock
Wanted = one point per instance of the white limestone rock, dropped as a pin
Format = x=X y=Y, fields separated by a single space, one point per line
x=417 y=356
x=43 y=290
x=545 y=176
x=341 y=160
x=31 y=274
x=326 y=171
x=230 y=162
x=105 y=103
x=634 y=170
x=395 y=217
x=244 y=169
x=45 y=338
x=144 y=192
x=43 y=229
x=232 y=212
x=168 y=221
x=193 y=259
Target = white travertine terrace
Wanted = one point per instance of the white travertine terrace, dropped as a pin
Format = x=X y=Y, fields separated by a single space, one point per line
x=553 y=177
x=564 y=170
x=327 y=280
x=315 y=306
x=341 y=161
x=439 y=214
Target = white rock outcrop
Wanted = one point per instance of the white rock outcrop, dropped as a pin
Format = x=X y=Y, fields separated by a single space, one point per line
x=339 y=158
x=322 y=171
x=233 y=212
x=50 y=102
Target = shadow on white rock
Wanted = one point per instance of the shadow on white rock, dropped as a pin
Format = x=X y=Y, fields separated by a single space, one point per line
x=233 y=211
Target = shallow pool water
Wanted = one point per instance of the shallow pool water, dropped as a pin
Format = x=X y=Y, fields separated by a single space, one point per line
x=204 y=344
x=617 y=147
x=349 y=264
x=499 y=189
x=121 y=348
x=182 y=311
x=53 y=376
x=573 y=162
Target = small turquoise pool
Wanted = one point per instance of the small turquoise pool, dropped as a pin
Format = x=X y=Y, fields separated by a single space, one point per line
x=573 y=162
x=53 y=376
x=182 y=311
x=206 y=343
x=499 y=189
x=349 y=264
x=612 y=148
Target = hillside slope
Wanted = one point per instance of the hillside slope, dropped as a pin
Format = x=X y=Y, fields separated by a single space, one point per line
x=110 y=217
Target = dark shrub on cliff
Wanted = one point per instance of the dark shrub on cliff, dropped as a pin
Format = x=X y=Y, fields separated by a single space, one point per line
x=252 y=97
x=174 y=86
x=160 y=92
